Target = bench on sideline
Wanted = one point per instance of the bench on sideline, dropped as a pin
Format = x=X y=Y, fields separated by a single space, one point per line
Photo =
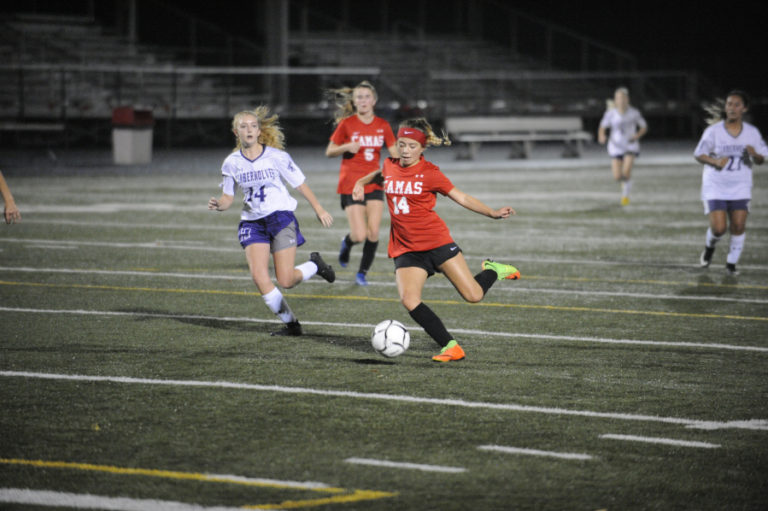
x=522 y=132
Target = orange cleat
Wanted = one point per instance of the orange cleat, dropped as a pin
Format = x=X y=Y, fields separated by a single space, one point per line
x=452 y=352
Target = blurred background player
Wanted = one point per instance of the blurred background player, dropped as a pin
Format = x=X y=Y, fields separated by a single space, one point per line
x=258 y=166
x=727 y=149
x=11 y=213
x=358 y=139
x=626 y=126
x=419 y=240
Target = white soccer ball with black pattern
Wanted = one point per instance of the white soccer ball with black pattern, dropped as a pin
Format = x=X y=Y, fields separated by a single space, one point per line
x=390 y=338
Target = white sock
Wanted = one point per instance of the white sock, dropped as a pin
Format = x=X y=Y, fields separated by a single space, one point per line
x=711 y=239
x=737 y=245
x=277 y=304
x=626 y=186
x=308 y=270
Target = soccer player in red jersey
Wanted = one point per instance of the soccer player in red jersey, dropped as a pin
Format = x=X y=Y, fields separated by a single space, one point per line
x=419 y=240
x=358 y=139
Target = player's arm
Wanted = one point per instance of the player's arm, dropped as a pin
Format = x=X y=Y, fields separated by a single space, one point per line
x=325 y=218
x=640 y=133
x=334 y=150
x=358 y=192
x=11 y=211
x=754 y=155
x=476 y=205
x=222 y=203
x=717 y=163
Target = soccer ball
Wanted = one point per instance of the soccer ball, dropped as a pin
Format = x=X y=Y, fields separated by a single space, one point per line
x=390 y=338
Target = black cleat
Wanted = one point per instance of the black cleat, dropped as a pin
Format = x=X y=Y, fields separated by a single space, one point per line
x=292 y=329
x=730 y=269
x=323 y=269
x=706 y=256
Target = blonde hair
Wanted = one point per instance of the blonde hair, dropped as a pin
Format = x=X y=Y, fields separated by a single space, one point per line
x=610 y=103
x=715 y=110
x=271 y=132
x=421 y=124
x=344 y=99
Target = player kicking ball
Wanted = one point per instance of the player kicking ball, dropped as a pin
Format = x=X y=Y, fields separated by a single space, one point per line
x=419 y=240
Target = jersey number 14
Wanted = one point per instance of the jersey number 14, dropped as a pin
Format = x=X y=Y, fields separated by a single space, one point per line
x=400 y=205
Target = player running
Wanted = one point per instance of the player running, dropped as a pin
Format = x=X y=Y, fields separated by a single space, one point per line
x=627 y=126
x=358 y=139
x=727 y=149
x=258 y=166
x=419 y=240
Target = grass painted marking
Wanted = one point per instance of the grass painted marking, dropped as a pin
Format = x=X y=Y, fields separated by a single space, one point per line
x=534 y=452
x=758 y=425
x=367 y=326
x=664 y=441
x=405 y=465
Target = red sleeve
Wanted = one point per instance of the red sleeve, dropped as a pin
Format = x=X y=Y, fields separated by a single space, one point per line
x=438 y=182
x=339 y=135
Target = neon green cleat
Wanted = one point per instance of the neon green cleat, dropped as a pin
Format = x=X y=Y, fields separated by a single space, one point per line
x=504 y=271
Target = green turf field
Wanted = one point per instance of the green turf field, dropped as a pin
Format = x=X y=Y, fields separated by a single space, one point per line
x=136 y=366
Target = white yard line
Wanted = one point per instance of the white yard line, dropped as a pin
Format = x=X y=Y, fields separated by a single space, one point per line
x=664 y=441
x=521 y=335
x=535 y=452
x=754 y=424
x=86 y=501
x=441 y=285
x=404 y=465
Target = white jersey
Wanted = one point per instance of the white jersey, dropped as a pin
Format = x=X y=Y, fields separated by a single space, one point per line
x=734 y=181
x=262 y=181
x=622 y=127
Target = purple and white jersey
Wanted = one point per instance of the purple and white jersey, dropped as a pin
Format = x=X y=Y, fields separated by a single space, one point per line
x=262 y=181
x=622 y=127
x=734 y=181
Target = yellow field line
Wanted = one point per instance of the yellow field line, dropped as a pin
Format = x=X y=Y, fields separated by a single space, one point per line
x=394 y=300
x=354 y=496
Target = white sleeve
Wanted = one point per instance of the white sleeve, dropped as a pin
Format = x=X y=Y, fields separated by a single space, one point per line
x=705 y=146
x=641 y=120
x=290 y=171
x=605 y=122
x=228 y=182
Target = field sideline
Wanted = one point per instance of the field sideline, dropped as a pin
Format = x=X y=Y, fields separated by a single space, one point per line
x=137 y=370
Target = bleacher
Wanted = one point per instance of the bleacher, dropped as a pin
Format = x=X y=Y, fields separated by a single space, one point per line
x=65 y=69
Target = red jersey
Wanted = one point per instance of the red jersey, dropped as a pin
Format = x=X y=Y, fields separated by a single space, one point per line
x=411 y=196
x=372 y=137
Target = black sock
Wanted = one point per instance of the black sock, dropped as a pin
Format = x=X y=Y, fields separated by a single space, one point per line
x=369 y=252
x=431 y=324
x=349 y=243
x=486 y=279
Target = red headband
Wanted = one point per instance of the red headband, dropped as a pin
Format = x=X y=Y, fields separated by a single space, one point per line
x=413 y=133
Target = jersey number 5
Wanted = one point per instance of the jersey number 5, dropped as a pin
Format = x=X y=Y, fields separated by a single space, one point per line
x=400 y=205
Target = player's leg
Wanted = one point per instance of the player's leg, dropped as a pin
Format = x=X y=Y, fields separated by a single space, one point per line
x=410 y=282
x=257 y=255
x=356 y=219
x=457 y=272
x=626 y=177
x=717 y=225
x=738 y=221
x=374 y=210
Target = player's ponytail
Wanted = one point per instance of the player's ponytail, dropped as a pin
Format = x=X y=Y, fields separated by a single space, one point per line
x=715 y=110
x=344 y=97
x=432 y=138
x=271 y=133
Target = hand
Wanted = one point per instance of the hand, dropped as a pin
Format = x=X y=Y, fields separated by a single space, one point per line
x=353 y=147
x=601 y=139
x=213 y=204
x=721 y=162
x=504 y=212
x=325 y=218
x=358 y=192
x=12 y=214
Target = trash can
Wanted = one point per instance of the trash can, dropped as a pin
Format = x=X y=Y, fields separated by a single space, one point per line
x=131 y=135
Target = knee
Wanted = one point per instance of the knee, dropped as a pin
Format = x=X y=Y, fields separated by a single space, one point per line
x=410 y=302
x=287 y=280
x=474 y=296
